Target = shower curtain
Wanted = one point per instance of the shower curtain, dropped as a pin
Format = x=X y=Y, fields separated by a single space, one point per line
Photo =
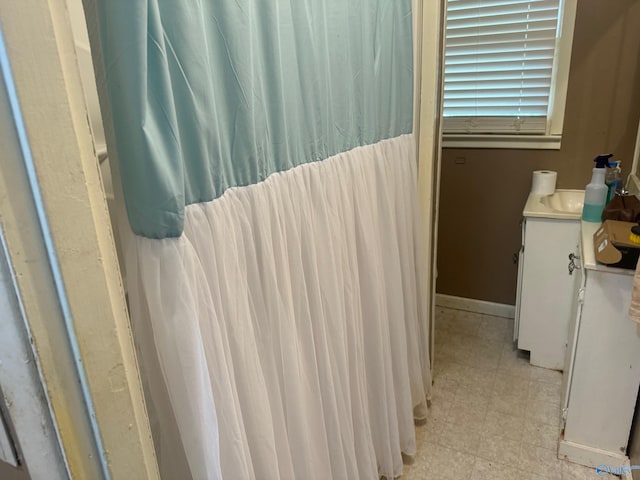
x=274 y=268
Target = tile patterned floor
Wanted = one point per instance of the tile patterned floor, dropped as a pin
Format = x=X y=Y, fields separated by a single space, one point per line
x=493 y=415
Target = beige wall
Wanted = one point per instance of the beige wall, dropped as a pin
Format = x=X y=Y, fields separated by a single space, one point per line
x=483 y=191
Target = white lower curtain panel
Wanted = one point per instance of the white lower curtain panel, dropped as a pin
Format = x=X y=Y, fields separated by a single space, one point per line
x=284 y=334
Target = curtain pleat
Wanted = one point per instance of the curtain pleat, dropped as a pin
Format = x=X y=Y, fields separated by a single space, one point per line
x=288 y=339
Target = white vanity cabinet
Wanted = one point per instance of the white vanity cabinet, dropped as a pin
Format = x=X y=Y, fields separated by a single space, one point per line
x=602 y=365
x=545 y=288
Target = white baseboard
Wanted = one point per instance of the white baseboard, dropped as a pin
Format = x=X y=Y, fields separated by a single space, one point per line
x=473 y=305
x=593 y=457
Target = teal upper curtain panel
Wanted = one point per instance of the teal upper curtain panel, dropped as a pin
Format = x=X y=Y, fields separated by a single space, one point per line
x=212 y=94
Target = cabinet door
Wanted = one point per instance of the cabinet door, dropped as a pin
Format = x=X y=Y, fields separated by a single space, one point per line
x=604 y=381
x=547 y=289
x=574 y=327
x=516 y=322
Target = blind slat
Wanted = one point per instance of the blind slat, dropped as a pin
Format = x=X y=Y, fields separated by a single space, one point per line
x=534 y=57
x=498 y=85
x=498 y=40
x=475 y=11
x=521 y=103
x=502 y=48
x=522 y=20
x=504 y=124
x=494 y=111
x=538 y=74
x=505 y=28
x=499 y=66
x=511 y=94
x=455 y=5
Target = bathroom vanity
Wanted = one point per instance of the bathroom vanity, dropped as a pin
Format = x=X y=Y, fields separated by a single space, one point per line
x=550 y=229
x=572 y=315
x=602 y=362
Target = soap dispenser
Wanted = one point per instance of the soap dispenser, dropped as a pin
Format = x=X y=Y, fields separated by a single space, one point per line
x=613 y=179
x=595 y=195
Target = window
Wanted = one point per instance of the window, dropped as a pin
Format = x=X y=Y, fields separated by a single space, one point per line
x=506 y=70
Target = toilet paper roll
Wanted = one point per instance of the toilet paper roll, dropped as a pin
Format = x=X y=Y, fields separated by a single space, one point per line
x=544 y=182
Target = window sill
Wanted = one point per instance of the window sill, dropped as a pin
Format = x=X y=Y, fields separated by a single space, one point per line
x=516 y=142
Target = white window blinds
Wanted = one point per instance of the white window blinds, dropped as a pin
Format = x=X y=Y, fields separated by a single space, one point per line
x=499 y=65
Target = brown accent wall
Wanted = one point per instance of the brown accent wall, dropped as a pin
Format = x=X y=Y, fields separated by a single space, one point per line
x=7 y=472
x=483 y=191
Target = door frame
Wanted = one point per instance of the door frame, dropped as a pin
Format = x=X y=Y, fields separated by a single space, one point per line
x=59 y=240
x=429 y=62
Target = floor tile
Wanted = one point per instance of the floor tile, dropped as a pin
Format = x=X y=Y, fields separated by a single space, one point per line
x=544 y=392
x=540 y=434
x=501 y=424
x=441 y=401
x=467 y=323
x=475 y=391
x=496 y=330
x=418 y=470
x=447 y=367
x=543 y=412
x=571 y=471
x=466 y=412
x=463 y=341
x=494 y=339
x=460 y=437
x=448 y=464
x=541 y=475
x=486 y=470
x=445 y=384
x=432 y=430
x=463 y=331
x=485 y=357
x=498 y=324
x=493 y=415
x=420 y=435
x=461 y=354
x=502 y=450
x=540 y=460
x=513 y=364
x=507 y=384
x=471 y=375
x=508 y=404
x=545 y=375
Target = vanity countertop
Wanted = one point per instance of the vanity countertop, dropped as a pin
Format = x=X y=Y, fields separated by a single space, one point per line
x=588 y=229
